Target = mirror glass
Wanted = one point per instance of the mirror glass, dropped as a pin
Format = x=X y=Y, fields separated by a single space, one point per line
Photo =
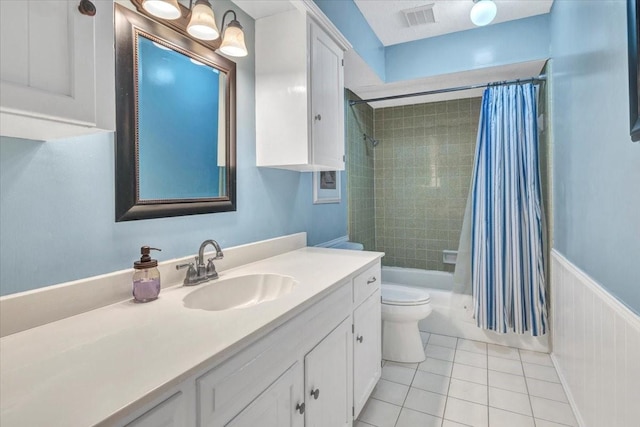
x=176 y=92
x=175 y=139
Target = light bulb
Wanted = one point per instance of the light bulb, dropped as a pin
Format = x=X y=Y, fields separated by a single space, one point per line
x=483 y=12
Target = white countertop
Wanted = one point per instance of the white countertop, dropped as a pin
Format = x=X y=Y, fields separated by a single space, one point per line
x=102 y=364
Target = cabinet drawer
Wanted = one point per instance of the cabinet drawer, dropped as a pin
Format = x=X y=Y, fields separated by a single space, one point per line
x=366 y=283
x=169 y=413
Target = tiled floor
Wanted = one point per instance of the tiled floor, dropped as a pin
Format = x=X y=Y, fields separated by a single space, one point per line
x=469 y=383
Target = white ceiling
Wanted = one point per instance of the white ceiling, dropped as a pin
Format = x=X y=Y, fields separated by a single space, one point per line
x=390 y=25
x=260 y=8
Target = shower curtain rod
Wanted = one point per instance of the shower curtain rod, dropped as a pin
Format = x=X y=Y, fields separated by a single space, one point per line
x=539 y=78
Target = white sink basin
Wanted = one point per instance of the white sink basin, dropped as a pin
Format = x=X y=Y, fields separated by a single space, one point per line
x=239 y=292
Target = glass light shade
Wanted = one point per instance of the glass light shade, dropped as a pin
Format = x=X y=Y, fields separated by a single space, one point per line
x=483 y=12
x=233 y=41
x=165 y=9
x=203 y=23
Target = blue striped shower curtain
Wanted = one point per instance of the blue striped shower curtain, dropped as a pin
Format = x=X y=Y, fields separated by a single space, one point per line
x=507 y=254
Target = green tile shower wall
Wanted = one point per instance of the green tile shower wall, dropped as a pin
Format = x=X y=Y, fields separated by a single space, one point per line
x=360 y=190
x=423 y=168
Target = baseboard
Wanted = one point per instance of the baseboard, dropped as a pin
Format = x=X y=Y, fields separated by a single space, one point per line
x=567 y=390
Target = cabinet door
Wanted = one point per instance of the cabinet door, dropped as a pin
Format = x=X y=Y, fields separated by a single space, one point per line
x=327 y=100
x=328 y=380
x=52 y=66
x=367 y=350
x=48 y=59
x=276 y=406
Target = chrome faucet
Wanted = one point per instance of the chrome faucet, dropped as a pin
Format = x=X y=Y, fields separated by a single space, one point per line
x=201 y=272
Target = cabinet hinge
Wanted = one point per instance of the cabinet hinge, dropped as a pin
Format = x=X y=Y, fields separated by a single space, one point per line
x=343 y=62
x=344 y=158
x=353 y=328
x=353 y=411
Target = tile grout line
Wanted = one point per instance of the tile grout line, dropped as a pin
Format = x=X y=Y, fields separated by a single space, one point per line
x=488 y=388
x=446 y=400
x=448 y=389
x=410 y=385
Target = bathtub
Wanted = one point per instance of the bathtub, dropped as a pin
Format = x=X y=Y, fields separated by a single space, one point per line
x=452 y=313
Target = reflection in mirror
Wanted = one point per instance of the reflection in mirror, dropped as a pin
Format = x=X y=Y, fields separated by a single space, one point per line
x=175 y=139
x=176 y=89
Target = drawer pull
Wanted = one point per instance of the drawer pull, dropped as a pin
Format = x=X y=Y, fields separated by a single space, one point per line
x=372 y=280
x=315 y=393
x=359 y=339
x=300 y=408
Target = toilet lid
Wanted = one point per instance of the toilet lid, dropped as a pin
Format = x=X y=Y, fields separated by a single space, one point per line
x=403 y=295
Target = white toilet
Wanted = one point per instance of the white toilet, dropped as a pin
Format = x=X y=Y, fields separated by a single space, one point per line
x=402 y=308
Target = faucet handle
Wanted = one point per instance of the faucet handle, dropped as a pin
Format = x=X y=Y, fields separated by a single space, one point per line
x=211 y=269
x=190 y=278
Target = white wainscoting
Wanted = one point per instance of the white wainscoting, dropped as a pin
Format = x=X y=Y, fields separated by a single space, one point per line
x=596 y=348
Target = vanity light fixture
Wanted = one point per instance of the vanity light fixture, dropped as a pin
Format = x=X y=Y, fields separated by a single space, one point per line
x=483 y=12
x=233 y=37
x=202 y=23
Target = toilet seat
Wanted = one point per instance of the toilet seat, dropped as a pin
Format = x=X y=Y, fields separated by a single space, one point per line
x=393 y=294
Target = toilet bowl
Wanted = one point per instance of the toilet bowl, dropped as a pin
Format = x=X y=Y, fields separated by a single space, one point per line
x=402 y=308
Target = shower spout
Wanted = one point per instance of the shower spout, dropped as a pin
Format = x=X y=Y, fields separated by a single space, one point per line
x=374 y=142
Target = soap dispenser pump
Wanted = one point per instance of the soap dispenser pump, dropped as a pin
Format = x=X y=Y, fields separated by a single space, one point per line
x=146 y=279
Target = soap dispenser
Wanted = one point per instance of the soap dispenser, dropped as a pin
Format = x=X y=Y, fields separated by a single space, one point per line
x=146 y=279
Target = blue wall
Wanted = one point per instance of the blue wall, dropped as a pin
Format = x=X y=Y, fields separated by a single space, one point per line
x=346 y=16
x=57 y=204
x=499 y=44
x=596 y=166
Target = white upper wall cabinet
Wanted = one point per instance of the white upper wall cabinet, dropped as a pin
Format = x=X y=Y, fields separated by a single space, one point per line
x=299 y=94
x=56 y=69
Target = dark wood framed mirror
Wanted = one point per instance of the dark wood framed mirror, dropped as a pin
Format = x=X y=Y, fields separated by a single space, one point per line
x=175 y=121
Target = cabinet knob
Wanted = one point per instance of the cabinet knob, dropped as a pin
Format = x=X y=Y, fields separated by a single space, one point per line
x=371 y=280
x=359 y=338
x=315 y=393
x=318 y=117
x=300 y=408
x=87 y=8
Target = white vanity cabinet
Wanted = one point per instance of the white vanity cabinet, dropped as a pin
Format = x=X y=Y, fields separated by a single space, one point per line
x=299 y=94
x=56 y=69
x=311 y=351
x=282 y=362
x=315 y=370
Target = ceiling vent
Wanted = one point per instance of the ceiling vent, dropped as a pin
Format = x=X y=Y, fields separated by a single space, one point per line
x=420 y=15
